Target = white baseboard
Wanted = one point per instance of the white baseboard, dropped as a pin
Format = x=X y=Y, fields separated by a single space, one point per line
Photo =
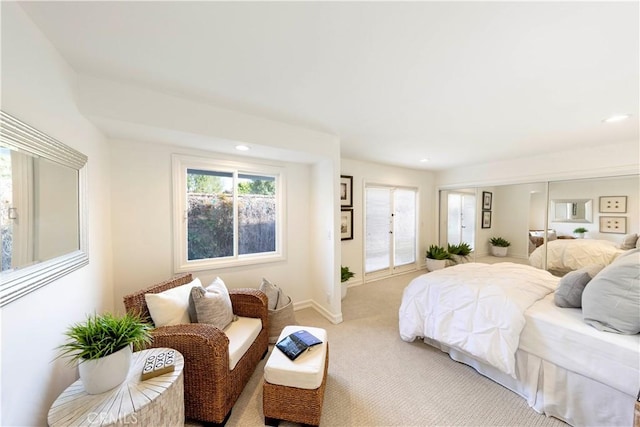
x=333 y=318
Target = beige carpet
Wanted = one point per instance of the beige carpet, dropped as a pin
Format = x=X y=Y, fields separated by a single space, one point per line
x=376 y=379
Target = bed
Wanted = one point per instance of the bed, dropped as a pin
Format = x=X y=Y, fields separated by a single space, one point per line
x=501 y=319
x=564 y=255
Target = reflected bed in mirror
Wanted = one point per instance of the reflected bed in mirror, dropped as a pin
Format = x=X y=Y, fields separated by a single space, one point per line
x=42 y=197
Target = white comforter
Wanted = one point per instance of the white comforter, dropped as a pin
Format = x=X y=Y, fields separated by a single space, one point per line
x=573 y=254
x=476 y=308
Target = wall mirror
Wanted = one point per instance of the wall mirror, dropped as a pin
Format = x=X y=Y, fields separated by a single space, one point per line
x=42 y=208
x=572 y=210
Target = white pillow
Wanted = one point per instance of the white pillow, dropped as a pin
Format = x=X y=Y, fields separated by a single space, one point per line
x=171 y=307
x=213 y=305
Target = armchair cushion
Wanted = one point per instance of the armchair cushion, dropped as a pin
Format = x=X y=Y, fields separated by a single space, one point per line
x=171 y=307
x=241 y=333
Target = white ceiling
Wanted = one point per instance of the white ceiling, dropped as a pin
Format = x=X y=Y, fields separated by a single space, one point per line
x=456 y=82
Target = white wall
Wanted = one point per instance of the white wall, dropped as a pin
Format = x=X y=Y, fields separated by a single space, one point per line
x=365 y=172
x=39 y=88
x=143 y=225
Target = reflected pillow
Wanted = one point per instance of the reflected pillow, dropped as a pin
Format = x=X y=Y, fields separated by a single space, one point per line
x=213 y=304
x=629 y=242
x=171 y=307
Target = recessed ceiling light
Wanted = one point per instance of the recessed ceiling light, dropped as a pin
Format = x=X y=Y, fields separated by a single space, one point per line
x=617 y=118
x=425 y=160
x=242 y=147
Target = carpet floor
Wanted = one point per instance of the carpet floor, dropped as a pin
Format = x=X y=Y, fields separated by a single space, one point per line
x=376 y=379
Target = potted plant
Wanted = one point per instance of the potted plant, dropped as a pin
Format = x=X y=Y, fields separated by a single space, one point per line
x=459 y=253
x=499 y=246
x=345 y=275
x=579 y=232
x=102 y=347
x=437 y=257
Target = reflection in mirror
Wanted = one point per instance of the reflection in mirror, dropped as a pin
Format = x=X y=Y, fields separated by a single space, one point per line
x=42 y=208
x=567 y=250
x=458 y=218
x=572 y=210
x=39 y=205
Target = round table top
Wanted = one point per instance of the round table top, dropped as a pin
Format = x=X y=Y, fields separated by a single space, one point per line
x=76 y=407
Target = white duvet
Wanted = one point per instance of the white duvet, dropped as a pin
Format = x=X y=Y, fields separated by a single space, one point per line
x=476 y=308
x=573 y=254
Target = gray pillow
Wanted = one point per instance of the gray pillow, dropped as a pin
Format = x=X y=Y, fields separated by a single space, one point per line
x=272 y=291
x=611 y=302
x=213 y=304
x=571 y=286
x=569 y=292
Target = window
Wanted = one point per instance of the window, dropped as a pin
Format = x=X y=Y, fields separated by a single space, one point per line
x=226 y=213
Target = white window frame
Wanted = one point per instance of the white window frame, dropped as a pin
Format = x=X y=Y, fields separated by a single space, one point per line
x=180 y=164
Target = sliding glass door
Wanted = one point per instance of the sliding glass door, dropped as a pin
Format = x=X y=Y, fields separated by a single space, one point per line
x=390 y=229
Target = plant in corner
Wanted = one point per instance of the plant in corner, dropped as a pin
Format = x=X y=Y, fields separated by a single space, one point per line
x=499 y=246
x=437 y=257
x=459 y=253
x=102 y=347
x=345 y=275
x=579 y=232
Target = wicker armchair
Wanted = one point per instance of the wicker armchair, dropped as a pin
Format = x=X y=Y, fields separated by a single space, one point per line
x=210 y=388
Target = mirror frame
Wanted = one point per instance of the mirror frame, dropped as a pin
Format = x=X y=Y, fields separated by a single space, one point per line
x=20 y=282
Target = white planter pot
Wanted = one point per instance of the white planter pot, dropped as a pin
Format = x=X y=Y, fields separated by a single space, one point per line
x=579 y=235
x=498 y=251
x=345 y=286
x=436 y=264
x=103 y=374
x=461 y=259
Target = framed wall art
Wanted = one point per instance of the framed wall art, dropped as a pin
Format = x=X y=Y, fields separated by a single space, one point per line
x=613 y=204
x=346 y=191
x=486 y=219
x=346 y=224
x=486 y=201
x=613 y=224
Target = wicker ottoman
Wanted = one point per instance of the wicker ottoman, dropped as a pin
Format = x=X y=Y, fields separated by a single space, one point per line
x=294 y=390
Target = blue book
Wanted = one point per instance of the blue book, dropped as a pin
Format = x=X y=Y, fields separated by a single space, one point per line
x=293 y=345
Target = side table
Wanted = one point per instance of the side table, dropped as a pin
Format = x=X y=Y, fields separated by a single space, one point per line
x=156 y=401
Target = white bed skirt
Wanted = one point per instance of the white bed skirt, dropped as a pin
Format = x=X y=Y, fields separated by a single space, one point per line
x=557 y=392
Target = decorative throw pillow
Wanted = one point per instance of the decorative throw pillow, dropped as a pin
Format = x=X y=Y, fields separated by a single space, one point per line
x=610 y=302
x=571 y=286
x=629 y=241
x=272 y=291
x=171 y=307
x=213 y=304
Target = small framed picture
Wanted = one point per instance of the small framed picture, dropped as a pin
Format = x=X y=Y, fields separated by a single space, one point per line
x=486 y=202
x=346 y=191
x=346 y=224
x=613 y=224
x=613 y=204
x=486 y=219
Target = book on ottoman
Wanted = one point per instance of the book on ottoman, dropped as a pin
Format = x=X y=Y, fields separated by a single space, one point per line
x=293 y=345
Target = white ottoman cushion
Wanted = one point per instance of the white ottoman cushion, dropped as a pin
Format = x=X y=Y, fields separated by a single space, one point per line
x=241 y=333
x=307 y=371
